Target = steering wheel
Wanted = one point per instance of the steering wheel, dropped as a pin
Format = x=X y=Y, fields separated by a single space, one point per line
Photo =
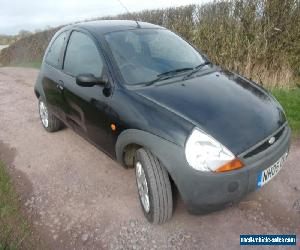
x=128 y=64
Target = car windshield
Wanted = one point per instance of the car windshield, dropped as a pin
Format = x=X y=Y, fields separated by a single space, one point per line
x=143 y=55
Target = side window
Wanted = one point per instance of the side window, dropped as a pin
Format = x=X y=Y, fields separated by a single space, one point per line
x=82 y=56
x=53 y=55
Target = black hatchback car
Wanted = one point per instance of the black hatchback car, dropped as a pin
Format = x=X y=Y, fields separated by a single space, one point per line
x=149 y=99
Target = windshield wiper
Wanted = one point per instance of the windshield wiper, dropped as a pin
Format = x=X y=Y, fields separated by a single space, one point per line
x=197 y=68
x=174 y=71
x=166 y=75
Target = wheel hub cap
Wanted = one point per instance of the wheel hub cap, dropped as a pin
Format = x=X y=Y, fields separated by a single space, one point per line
x=44 y=114
x=142 y=186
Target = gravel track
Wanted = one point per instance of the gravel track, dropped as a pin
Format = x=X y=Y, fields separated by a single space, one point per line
x=78 y=198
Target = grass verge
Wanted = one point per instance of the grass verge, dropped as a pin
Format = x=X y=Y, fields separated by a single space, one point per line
x=33 y=64
x=14 y=228
x=290 y=101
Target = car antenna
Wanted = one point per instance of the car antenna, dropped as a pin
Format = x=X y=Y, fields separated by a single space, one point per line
x=123 y=5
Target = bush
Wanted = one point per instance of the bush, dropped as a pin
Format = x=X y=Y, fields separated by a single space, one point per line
x=257 y=38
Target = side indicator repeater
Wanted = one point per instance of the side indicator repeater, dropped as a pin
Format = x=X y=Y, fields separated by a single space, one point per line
x=113 y=127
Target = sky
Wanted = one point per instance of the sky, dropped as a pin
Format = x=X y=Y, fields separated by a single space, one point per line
x=16 y=15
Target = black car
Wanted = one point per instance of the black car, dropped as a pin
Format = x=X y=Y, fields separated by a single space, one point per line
x=150 y=100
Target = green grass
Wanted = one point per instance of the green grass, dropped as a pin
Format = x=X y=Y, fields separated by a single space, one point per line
x=14 y=228
x=290 y=101
x=33 y=64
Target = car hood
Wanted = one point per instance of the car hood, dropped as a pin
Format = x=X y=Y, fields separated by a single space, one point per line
x=236 y=112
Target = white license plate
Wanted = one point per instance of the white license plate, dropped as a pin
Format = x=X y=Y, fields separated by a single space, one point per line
x=267 y=174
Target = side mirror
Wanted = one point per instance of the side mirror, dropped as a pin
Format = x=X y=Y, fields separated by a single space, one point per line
x=89 y=80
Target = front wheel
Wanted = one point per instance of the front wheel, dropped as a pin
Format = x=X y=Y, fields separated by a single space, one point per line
x=154 y=187
x=50 y=122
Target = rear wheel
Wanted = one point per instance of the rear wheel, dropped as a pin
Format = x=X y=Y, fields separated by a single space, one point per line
x=49 y=121
x=154 y=187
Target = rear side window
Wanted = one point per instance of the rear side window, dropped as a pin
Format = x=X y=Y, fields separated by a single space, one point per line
x=82 y=56
x=54 y=53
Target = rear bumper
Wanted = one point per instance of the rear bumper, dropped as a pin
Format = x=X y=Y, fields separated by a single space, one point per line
x=203 y=192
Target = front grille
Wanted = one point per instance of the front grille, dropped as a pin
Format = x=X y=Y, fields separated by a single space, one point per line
x=264 y=145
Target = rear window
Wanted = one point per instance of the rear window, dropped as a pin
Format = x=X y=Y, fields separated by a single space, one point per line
x=54 y=53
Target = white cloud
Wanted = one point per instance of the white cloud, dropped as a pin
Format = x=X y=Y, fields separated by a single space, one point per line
x=16 y=15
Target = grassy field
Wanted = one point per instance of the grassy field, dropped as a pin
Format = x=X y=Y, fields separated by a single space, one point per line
x=290 y=101
x=14 y=229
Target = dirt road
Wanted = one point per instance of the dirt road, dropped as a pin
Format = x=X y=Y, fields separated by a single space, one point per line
x=79 y=198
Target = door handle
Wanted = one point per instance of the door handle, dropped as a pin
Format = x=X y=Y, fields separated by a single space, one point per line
x=60 y=85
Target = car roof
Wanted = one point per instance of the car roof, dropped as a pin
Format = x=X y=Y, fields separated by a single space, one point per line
x=106 y=26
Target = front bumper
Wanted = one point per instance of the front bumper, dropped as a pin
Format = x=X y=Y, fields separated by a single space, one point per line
x=203 y=192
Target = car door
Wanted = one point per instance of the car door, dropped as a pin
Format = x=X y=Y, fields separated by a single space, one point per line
x=53 y=76
x=87 y=107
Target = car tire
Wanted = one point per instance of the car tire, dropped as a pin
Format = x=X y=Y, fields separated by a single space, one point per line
x=50 y=122
x=157 y=186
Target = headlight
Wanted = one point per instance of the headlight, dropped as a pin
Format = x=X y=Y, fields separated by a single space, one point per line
x=204 y=153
